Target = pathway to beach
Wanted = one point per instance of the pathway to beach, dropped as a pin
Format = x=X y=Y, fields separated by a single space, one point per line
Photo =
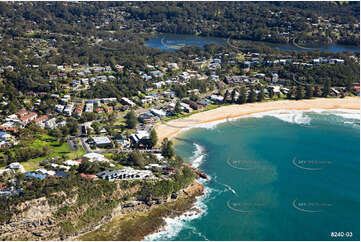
x=172 y=128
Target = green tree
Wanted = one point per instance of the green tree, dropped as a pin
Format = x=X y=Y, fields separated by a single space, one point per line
x=316 y=91
x=349 y=85
x=309 y=92
x=260 y=96
x=88 y=167
x=271 y=93
x=326 y=88
x=225 y=96
x=135 y=158
x=233 y=95
x=251 y=96
x=131 y=120
x=242 y=96
x=167 y=148
x=299 y=92
x=153 y=138
x=178 y=107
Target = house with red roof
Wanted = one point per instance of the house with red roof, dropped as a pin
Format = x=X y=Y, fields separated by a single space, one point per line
x=88 y=176
x=21 y=113
x=41 y=121
x=28 y=118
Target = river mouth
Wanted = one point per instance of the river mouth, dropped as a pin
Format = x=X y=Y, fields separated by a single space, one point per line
x=173 y=42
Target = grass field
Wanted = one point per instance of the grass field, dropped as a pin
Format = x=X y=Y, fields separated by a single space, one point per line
x=55 y=148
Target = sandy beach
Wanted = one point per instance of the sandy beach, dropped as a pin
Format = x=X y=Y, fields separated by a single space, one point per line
x=172 y=128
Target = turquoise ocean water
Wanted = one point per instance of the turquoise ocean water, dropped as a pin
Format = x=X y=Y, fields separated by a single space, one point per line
x=285 y=175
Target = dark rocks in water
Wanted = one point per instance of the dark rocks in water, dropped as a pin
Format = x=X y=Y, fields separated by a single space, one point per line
x=202 y=175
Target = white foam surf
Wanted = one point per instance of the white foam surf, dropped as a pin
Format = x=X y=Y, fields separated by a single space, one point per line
x=198 y=155
x=344 y=113
x=289 y=116
x=175 y=225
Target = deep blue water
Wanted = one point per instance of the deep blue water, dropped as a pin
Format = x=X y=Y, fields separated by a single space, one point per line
x=172 y=42
x=282 y=176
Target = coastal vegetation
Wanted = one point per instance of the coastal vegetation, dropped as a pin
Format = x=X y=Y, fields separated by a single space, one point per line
x=82 y=98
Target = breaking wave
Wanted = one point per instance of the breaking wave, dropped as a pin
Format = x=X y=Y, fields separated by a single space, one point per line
x=289 y=116
x=175 y=225
x=344 y=113
x=198 y=155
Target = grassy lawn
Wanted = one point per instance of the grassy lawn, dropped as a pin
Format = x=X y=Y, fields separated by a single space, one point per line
x=56 y=149
x=120 y=121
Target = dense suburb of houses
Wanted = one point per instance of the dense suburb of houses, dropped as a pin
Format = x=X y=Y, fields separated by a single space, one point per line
x=159 y=102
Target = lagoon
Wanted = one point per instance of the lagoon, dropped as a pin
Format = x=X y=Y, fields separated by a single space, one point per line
x=172 y=42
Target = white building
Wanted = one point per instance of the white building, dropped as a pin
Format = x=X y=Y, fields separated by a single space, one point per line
x=159 y=113
x=139 y=135
x=95 y=157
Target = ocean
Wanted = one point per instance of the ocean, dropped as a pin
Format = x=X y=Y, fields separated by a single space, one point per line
x=281 y=175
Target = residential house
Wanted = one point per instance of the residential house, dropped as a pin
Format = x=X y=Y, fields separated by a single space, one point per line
x=41 y=121
x=102 y=141
x=139 y=136
x=28 y=118
x=157 y=112
x=95 y=157
x=126 y=101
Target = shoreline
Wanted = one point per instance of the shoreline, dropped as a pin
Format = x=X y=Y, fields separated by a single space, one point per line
x=124 y=226
x=174 y=127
